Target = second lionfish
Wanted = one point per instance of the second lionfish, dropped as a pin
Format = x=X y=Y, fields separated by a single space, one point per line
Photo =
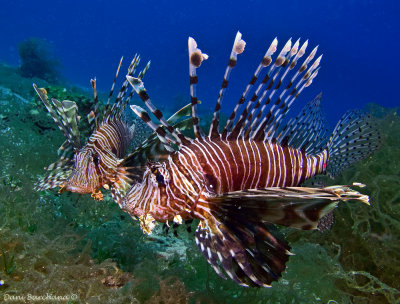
x=88 y=168
x=103 y=161
x=243 y=179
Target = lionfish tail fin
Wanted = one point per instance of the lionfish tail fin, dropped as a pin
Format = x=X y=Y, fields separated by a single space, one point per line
x=251 y=253
x=354 y=138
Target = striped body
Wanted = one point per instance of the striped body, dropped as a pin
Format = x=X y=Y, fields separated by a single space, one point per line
x=207 y=168
x=96 y=164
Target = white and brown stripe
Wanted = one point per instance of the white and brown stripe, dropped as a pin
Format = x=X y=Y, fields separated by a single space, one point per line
x=217 y=167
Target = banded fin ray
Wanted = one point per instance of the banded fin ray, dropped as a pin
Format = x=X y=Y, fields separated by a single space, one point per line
x=266 y=124
x=237 y=48
x=152 y=148
x=282 y=60
x=251 y=253
x=58 y=172
x=196 y=57
x=138 y=86
x=93 y=116
x=266 y=61
x=65 y=119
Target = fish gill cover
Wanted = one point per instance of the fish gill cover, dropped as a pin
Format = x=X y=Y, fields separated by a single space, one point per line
x=68 y=244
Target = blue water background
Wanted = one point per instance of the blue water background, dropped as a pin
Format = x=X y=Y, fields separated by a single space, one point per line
x=359 y=40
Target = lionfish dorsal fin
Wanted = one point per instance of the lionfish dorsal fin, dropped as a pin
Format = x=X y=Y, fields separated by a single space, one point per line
x=152 y=149
x=116 y=110
x=291 y=54
x=93 y=116
x=264 y=63
x=281 y=61
x=196 y=57
x=266 y=124
x=307 y=131
x=273 y=96
x=238 y=48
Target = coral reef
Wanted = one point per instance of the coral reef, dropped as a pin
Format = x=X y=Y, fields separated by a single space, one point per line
x=69 y=245
x=37 y=60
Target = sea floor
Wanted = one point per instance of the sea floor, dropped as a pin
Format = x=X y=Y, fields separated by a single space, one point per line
x=72 y=249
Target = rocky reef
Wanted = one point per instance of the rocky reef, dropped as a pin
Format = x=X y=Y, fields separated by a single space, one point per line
x=69 y=245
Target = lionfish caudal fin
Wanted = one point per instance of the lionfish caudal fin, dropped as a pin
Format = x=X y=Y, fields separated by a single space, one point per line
x=355 y=137
x=123 y=98
x=65 y=115
x=262 y=114
x=237 y=234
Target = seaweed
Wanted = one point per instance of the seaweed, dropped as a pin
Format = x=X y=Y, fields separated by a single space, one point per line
x=8 y=265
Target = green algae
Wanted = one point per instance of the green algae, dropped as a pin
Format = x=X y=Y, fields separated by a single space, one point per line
x=70 y=244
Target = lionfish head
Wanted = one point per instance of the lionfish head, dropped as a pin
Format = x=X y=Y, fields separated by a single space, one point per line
x=85 y=175
x=152 y=187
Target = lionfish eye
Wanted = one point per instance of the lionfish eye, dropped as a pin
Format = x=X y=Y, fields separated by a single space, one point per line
x=159 y=178
x=96 y=159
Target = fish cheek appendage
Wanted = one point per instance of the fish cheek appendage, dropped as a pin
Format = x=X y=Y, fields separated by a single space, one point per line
x=242 y=179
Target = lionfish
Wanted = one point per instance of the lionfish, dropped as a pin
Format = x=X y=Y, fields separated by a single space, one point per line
x=88 y=168
x=103 y=161
x=242 y=180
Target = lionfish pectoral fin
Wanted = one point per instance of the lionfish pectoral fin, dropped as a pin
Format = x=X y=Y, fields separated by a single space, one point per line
x=120 y=184
x=250 y=252
x=62 y=188
x=184 y=111
x=297 y=207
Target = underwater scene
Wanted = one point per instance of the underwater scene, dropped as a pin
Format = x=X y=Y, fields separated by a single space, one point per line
x=199 y=152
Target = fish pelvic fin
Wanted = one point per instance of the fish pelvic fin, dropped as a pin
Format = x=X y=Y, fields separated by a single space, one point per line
x=251 y=253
